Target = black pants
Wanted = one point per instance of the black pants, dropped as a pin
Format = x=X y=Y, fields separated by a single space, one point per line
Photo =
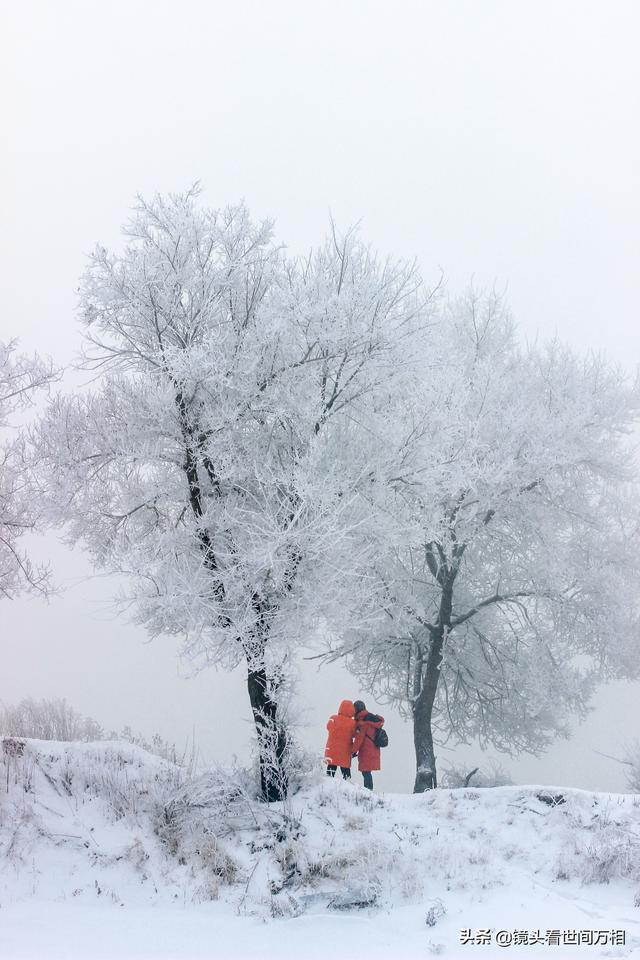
x=368 y=780
x=331 y=771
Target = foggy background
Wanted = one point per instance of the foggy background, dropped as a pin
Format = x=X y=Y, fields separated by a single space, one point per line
x=496 y=141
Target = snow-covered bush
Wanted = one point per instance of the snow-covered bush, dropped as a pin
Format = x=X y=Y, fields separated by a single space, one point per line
x=47 y=720
x=156 y=745
x=491 y=774
x=199 y=824
x=611 y=854
x=213 y=802
x=436 y=911
x=602 y=847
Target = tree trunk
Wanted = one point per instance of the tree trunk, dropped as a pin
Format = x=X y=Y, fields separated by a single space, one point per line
x=271 y=734
x=272 y=738
x=426 y=776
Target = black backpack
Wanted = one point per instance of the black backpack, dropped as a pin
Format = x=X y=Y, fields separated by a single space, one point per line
x=381 y=739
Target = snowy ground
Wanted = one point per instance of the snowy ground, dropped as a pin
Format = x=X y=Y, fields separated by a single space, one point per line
x=108 y=852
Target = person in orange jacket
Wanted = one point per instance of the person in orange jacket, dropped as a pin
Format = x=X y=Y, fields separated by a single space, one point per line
x=364 y=745
x=341 y=727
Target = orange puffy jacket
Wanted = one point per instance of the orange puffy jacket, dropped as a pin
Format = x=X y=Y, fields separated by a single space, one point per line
x=368 y=754
x=341 y=727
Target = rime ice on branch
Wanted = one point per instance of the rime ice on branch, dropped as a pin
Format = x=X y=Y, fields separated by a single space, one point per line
x=21 y=378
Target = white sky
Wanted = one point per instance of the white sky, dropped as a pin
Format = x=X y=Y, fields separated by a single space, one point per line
x=494 y=140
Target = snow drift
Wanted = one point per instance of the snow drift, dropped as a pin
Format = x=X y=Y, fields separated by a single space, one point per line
x=88 y=828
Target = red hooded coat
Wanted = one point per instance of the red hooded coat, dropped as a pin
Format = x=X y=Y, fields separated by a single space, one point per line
x=368 y=754
x=341 y=727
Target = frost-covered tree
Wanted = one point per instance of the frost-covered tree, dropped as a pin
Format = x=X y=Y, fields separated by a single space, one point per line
x=511 y=583
x=217 y=459
x=21 y=377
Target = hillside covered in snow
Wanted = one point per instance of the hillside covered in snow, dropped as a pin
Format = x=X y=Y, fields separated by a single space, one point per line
x=109 y=851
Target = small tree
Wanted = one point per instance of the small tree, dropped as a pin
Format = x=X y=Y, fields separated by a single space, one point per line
x=20 y=378
x=217 y=462
x=511 y=584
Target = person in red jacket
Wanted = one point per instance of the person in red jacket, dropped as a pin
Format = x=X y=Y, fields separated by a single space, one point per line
x=341 y=727
x=364 y=745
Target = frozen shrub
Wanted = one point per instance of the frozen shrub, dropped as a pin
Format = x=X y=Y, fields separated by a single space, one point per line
x=491 y=775
x=13 y=747
x=156 y=745
x=47 y=720
x=411 y=884
x=216 y=860
x=220 y=801
x=284 y=905
x=328 y=866
x=196 y=820
x=610 y=855
x=436 y=911
x=600 y=846
x=207 y=891
x=136 y=853
x=561 y=871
